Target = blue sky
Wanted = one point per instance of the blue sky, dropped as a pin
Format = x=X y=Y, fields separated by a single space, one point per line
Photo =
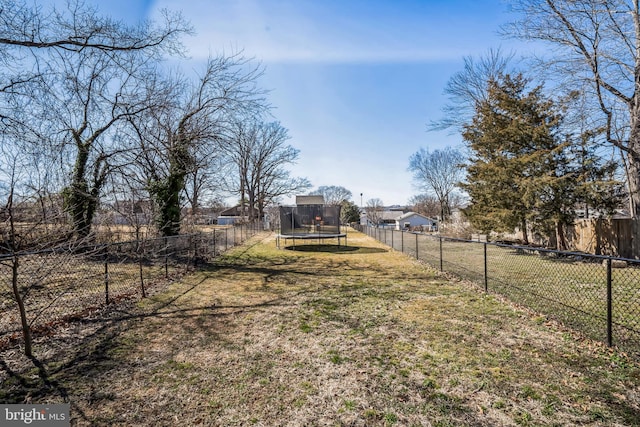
x=356 y=82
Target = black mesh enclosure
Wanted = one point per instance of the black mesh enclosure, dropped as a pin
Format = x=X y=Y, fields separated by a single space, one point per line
x=309 y=220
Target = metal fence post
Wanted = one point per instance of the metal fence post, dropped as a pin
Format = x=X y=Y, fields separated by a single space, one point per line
x=417 y=246
x=441 y=269
x=609 y=306
x=392 y=233
x=195 y=248
x=140 y=262
x=166 y=257
x=402 y=241
x=106 y=275
x=486 y=275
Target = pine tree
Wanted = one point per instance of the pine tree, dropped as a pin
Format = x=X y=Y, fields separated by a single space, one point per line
x=509 y=137
x=522 y=173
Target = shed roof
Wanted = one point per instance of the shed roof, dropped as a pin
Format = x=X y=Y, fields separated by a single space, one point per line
x=309 y=200
x=410 y=214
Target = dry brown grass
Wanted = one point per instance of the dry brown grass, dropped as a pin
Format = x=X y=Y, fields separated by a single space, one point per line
x=361 y=337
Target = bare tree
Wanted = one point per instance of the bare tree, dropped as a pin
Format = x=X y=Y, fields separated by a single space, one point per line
x=269 y=156
x=374 y=209
x=65 y=81
x=438 y=172
x=27 y=223
x=238 y=147
x=10 y=169
x=185 y=124
x=260 y=155
x=334 y=195
x=203 y=185
x=87 y=101
x=77 y=71
x=278 y=184
x=78 y=28
x=128 y=204
x=426 y=204
x=466 y=88
x=596 y=51
x=29 y=32
x=270 y=178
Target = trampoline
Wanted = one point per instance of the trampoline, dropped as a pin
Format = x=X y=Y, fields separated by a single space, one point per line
x=310 y=222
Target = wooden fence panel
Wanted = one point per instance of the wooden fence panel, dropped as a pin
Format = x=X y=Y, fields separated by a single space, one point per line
x=614 y=237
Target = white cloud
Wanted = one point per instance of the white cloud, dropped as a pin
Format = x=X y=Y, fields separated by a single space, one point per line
x=309 y=32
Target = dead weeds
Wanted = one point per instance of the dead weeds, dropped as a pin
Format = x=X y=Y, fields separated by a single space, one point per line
x=358 y=337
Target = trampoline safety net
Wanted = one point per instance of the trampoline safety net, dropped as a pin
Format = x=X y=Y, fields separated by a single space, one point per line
x=309 y=220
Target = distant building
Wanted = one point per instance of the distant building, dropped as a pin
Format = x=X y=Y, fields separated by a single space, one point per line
x=413 y=220
x=385 y=218
x=235 y=215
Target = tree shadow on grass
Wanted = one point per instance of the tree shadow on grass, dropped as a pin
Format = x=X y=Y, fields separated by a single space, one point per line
x=335 y=249
x=79 y=377
x=69 y=378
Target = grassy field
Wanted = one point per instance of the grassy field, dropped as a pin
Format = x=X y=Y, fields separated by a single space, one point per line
x=57 y=285
x=324 y=335
x=60 y=285
x=571 y=290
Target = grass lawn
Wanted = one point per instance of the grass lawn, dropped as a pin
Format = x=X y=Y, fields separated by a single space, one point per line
x=572 y=290
x=323 y=336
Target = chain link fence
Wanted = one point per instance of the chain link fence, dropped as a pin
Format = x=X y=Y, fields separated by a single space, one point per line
x=596 y=295
x=65 y=283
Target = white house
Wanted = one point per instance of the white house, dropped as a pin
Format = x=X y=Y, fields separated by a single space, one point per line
x=411 y=220
x=385 y=219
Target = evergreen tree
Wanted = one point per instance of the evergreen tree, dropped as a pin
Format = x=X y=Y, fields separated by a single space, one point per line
x=350 y=212
x=522 y=173
x=510 y=138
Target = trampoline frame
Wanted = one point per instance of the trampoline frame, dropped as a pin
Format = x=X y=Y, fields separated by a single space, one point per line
x=309 y=236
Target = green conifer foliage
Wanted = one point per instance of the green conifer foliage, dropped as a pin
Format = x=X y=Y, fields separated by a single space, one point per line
x=522 y=172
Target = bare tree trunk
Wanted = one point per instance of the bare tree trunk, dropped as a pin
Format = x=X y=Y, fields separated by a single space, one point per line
x=26 y=329
x=252 y=204
x=242 y=197
x=15 y=264
x=525 y=235
x=561 y=239
x=633 y=177
x=195 y=202
x=78 y=192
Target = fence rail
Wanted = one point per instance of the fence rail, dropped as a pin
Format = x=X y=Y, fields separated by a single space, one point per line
x=596 y=295
x=59 y=284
